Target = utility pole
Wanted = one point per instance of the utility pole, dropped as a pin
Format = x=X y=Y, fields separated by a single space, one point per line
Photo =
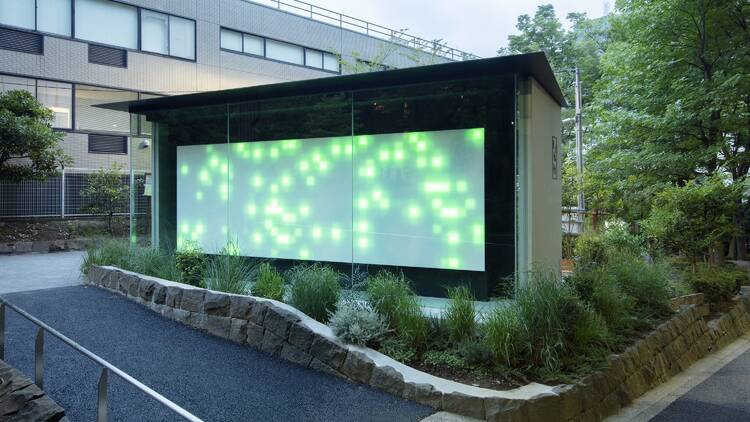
x=579 y=143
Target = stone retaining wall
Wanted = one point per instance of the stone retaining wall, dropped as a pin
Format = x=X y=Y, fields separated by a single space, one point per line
x=283 y=331
x=22 y=400
x=43 y=246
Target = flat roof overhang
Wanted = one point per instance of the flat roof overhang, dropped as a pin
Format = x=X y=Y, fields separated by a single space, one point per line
x=532 y=64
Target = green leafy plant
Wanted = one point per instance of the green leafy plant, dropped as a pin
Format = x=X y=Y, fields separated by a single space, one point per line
x=443 y=358
x=112 y=252
x=357 y=323
x=649 y=284
x=315 y=290
x=30 y=149
x=230 y=272
x=392 y=297
x=191 y=263
x=152 y=261
x=269 y=283
x=398 y=349
x=106 y=193
x=474 y=353
x=598 y=288
x=718 y=284
x=460 y=317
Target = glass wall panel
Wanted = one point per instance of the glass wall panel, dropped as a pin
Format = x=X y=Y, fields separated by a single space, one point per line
x=154 y=32
x=284 y=52
x=10 y=83
x=253 y=45
x=93 y=118
x=181 y=37
x=145 y=127
x=107 y=22
x=313 y=58
x=54 y=16
x=18 y=13
x=330 y=62
x=231 y=40
x=58 y=97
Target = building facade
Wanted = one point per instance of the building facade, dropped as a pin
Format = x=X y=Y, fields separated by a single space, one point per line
x=75 y=54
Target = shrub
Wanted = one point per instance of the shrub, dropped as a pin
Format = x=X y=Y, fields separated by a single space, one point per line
x=598 y=288
x=443 y=358
x=153 y=261
x=398 y=349
x=460 y=317
x=391 y=296
x=594 y=249
x=474 y=353
x=650 y=285
x=545 y=327
x=718 y=284
x=357 y=323
x=108 y=252
x=231 y=273
x=269 y=283
x=191 y=263
x=315 y=290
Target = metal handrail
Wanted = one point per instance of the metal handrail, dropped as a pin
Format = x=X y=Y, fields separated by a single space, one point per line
x=107 y=367
x=321 y=14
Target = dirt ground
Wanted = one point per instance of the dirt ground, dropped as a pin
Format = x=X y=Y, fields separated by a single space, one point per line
x=33 y=230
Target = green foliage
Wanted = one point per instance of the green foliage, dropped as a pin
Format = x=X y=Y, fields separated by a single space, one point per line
x=356 y=323
x=155 y=262
x=112 y=252
x=26 y=134
x=695 y=218
x=718 y=284
x=598 y=288
x=315 y=290
x=475 y=354
x=445 y=358
x=393 y=299
x=546 y=328
x=650 y=285
x=230 y=272
x=594 y=248
x=191 y=263
x=269 y=283
x=106 y=193
x=460 y=317
x=398 y=349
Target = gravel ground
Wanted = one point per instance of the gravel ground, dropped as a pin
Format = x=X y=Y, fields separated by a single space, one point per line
x=724 y=396
x=213 y=378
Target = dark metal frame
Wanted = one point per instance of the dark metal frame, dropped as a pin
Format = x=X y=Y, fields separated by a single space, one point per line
x=265 y=51
x=101 y=399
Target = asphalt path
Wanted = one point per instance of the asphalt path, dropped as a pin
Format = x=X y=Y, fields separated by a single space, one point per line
x=213 y=378
x=724 y=396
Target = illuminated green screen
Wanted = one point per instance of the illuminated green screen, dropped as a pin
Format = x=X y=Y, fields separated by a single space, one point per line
x=407 y=199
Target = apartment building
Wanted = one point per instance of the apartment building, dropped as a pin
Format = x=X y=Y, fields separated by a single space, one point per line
x=75 y=54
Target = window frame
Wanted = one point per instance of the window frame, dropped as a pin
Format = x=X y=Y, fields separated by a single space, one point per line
x=265 y=51
x=73 y=37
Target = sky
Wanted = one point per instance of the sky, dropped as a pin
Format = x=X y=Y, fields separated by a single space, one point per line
x=476 y=26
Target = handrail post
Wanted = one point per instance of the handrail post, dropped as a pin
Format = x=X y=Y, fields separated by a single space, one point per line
x=39 y=358
x=101 y=397
x=2 y=330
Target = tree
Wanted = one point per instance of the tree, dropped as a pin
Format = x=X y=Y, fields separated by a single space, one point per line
x=106 y=193
x=695 y=219
x=672 y=104
x=29 y=148
x=580 y=47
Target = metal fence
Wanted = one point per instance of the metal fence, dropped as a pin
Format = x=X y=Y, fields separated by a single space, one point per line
x=330 y=17
x=62 y=196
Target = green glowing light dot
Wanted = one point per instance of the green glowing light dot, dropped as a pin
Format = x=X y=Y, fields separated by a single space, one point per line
x=376 y=194
x=449 y=212
x=414 y=212
x=421 y=146
x=184 y=169
x=257 y=181
x=257 y=238
x=304 y=210
x=323 y=165
x=384 y=155
x=363 y=242
x=336 y=149
x=304 y=254
x=398 y=155
x=274 y=152
x=384 y=203
x=471 y=203
x=437 y=203
x=214 y=161
x=437 y=161
x=286 y=181
x=304 y=166
x=204 y=176
x=199 y=196
x=453 y=263
x=275 y=188
x=437 y=187
x=461 y=186
x=184 y=228
x=251 y=209
x=317 y=233
x=363 y=203
x=199 y=228
x=257 y=154
x=224 y=230
x=283 y=239
x=336 y=233
x=310 y=181
x=453 y=238
x=224 y=168
x=363 y=226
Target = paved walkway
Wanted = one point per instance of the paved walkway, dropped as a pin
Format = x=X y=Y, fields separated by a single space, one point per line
x=39 y=271
x=714 y=389
x=214 y=378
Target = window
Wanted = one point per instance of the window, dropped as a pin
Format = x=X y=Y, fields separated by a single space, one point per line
x=181 y=37
x=154 y=32
x=108 y=144
x=10 y=83
x=330 y=62
x=145 y=126
x=107 y=22
x=231 y=40
x=18 y=13
x=58 y=97
x=284 y=52
x=313 y=58
x=253 y=45
x=93 y=118
x=53 y=16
